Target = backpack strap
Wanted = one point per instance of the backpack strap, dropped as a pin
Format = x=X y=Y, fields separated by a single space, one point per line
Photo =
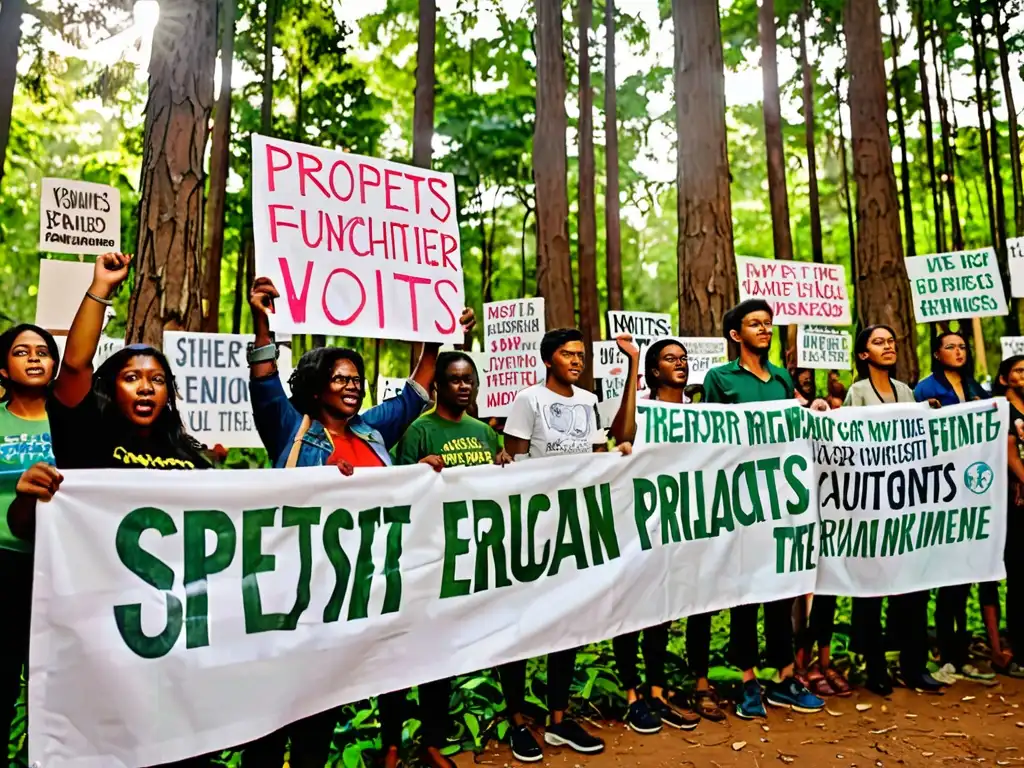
x=293 y=454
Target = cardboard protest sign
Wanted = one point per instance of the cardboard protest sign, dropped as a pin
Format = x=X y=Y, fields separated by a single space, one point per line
x=357 y=246
x=213 y=386
x=823 y=347
x=388 y=387
x=799 y=292
x=1012 y=345
x=950 y=286
x=513 y=331
x=642 y=326
x=79 y=217
x=62 y=286
x=1015 y=256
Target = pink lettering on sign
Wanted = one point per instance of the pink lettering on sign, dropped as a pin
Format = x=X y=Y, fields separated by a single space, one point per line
x=798 y=293
x=512 y=335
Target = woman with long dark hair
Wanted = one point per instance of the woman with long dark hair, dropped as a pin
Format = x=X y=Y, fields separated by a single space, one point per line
x=875 y=354
x=28 y=362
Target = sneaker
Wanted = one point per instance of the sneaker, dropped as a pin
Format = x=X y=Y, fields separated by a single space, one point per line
x=751 y=705
x=946 y=674
x=641 y=719
x=569 y=733
x=1015 y=670
x=971 y=672
x=790 y=694
x=924 y=682
x=525 y=748
x=685 y=720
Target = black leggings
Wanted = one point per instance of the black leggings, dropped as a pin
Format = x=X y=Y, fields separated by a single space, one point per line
x=698 y=644
x=778 y=632
x=561 y=668
x=435 y=699
x=821 y=626
x=310 y=743
x=655 y=648
x=908 y=621
x=951 y=624
x=16 y=609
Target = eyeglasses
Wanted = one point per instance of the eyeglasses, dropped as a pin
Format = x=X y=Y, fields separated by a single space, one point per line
x=672 y=359
x=884 y=343
x=347 y=380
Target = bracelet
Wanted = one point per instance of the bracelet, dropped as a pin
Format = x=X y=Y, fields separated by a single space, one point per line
x=94 y=297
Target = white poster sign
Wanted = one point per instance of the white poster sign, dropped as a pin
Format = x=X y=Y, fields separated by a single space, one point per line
x=79 y=217
x=357 y=246
x=1015 y=256
x=513 y=331
x=175 y=617
x=702 y=353
x=388 y=387
x=1012 y=345
x=950 y=286
x=799 y=292
x=62 y=286
x=106 y=347
x=213 y=386
x=642 y=326
x=818 y=346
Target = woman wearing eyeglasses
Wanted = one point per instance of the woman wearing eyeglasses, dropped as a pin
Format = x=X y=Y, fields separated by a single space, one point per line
x=875 y=354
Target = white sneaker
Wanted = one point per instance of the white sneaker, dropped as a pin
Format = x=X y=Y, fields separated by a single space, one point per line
x=971 y=672
x=946 y=674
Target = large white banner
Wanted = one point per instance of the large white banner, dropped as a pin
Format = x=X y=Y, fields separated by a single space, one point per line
x=175 y=617
x=357 y=246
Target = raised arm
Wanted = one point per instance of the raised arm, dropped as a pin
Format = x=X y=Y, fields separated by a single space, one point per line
x=75 y=378
x=427 y=364
x=623 y=427
x=261 y=302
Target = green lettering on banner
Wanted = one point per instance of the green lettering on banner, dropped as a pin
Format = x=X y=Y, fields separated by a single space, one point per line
x=828 y=530
x=967 y=524
x=939 y=526
x=454 y=511
x=526 y=569
x=154 y=572
x=492 y=541
x=668 y=504
x=304 y=518
x=700 y=522
x=961 y=430
x=254 y=561
x=979 y=534
x=395 y=518
x=782 y=534
x=746 y=472
x=890 y=536
x=337 y=521
x=721 y=506
x=199 y=565
x=601 y=521
x=568 y=521
x=362 y=577
x=769 y=467
x=644 y=494
x=803 y=495
x=906 y=533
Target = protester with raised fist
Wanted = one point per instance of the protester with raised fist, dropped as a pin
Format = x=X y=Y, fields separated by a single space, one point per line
x=875 y=355
x=320 y=424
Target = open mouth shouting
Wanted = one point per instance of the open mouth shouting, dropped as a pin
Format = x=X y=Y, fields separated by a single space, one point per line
x=144 y=408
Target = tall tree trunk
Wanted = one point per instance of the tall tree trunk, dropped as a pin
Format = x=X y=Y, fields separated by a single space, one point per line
x=884 y=291
x=850 y=231
x=1015 y=163
x=554 y=264
x=586 y=255
x=168 y=271
x=901 y=130
x=817 y=250
x=948 y=147
x=241 y=297
x=978 y=45
x=612 y=229
x=220 y=160
x=423 y=113
x=269 y=33
x=706 y=260
x=929 y=138
x=10 y=40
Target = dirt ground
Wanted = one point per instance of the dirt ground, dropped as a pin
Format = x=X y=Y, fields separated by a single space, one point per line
x=970 y=724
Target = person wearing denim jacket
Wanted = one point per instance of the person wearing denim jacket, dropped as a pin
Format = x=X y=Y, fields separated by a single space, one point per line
x=320 y=424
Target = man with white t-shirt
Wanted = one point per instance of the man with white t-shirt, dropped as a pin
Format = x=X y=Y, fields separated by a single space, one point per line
x=554 y=418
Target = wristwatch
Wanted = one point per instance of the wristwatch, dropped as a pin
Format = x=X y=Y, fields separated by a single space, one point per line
x=264 y=354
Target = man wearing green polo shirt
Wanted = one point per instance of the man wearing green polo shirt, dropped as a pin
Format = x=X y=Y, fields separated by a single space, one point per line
x=751 y=378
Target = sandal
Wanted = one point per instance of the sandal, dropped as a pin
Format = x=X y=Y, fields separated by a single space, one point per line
x=706 y=705
x=838 y=683
x=818 y=685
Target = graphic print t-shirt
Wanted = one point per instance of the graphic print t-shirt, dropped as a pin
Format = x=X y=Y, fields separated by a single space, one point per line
x=555 y=425
x=23 y=442
x=465 y=443
x=82 y=441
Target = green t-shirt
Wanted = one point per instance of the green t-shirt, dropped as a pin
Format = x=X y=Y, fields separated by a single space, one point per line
x=732 y=384
x=465 y=443
x=23 y=442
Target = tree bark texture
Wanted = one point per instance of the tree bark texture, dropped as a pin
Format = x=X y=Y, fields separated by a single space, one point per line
x=612 y=226
x=948 y=150
x=883 y=294
x=850 y=231
x=929 y=138
x=706 y=260
x=586 y=256
x=901 y=131
x=220 y=159
x=1015 y=163
x=167 y=269
x=554 y=263
x=977 y=45
x=10 y=39
x=778 y=197
x=817 y=249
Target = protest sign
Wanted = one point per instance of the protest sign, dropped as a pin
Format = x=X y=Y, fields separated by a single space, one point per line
x=950 y=286
x=62 y=286
x=1012 y=345
x=513 y=331
x=799 y=292
x=213 y=386
x=106 y=347
x=819 y=346
x=178 y=618
x=642 y=326
x=79 y=217
x=1015 y=256
x=703 y=354
x=357 y=246
x=388 y=387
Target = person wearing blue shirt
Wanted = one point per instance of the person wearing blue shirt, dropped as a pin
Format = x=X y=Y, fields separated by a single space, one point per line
x=952 y=382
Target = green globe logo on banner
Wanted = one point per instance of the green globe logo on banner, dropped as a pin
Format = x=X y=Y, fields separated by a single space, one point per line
x=978 y=477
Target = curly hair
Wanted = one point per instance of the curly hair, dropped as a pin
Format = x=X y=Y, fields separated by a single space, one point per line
x=313 y=373
x=7 y=339
x=168 y=430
